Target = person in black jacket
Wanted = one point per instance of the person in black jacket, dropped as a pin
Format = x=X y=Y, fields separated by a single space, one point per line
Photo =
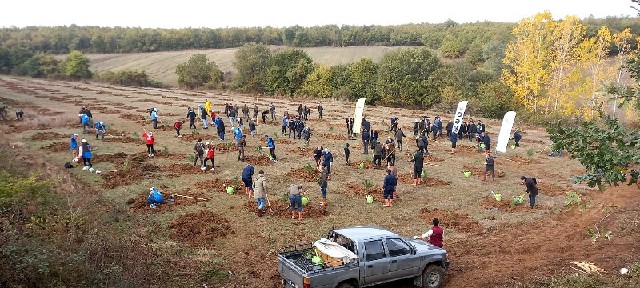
x=416 y=127
x=418 y=160
x=532 y=189
x=517 y=137
x=389 y=186
x=192 y=118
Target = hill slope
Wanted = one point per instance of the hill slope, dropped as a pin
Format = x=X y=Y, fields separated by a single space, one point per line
x=161 y=65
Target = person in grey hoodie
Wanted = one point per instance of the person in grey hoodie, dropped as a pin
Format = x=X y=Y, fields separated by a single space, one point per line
x=260 y=192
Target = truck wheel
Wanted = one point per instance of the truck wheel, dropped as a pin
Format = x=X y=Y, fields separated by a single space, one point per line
x=346 y=285
x=432 y=277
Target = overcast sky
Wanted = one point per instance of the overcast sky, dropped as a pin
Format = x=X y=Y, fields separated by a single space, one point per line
x=279 y=13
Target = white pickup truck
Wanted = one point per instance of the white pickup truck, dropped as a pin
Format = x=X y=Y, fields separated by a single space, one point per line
x=381 y=256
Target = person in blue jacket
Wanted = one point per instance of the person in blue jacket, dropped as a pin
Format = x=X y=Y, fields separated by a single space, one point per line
x=454 y=140
x=100 y=129
x=84 y=119
x=389 y=186
x=154 y=118
x=247 y=179
x=220 y=127
x=86 y=153
x=517 y=137
x=272 y=148
x=327 y=161
x=487 y=142
x=285 y=123
x=155 y=197
x=238 y=134
x=73 y=145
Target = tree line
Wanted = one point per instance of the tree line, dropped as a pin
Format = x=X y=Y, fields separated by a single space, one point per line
x=451 y=38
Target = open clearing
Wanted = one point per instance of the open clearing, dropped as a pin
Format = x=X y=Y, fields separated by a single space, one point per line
x=161 y=66
x=490 y=244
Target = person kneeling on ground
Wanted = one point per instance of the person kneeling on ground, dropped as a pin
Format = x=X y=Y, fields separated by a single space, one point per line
x=435 y=236
x=295 y=199
x=155 y=197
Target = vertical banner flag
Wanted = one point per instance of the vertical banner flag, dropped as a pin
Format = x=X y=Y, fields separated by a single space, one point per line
x=457 y=119
x=505 y=131
x=357 y=116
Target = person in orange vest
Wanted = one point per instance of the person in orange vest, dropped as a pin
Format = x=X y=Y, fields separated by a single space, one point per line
x=150 y=140
x=435 y=236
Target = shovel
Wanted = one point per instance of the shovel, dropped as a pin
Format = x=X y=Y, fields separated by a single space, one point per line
x=190 y=197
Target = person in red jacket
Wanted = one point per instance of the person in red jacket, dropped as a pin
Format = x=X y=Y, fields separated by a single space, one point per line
x=435 y=235
x=209 y=155
x=150 y=140
x=177 y=126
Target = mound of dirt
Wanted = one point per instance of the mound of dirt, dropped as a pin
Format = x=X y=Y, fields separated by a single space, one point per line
x=306 y=174
x=57 y=147
x=48 y=136
x=219 y=185
x=452 y=220
x=551 y=189
x=283 y=141
x=117 y=158
x=131 y=171
x=123 y=139
x=522 y=160
x=226 y=147
x=302 y=151
x=504 y=205
x=280 y=208
x=199 y=228
x=358 y=190
x=460 y=149
x=477 y=171
x=133 y=117
x=367 y=164
x=175 y=170
x=338 y=137
x=261 y=160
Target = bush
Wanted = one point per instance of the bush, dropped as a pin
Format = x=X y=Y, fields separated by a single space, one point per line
x=198 y=72
x=128 y=78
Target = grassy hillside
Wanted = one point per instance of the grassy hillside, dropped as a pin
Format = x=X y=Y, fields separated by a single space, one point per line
x=161 y=65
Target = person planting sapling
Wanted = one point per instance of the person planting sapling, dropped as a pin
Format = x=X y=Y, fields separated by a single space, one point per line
x=532 y=189
x=295 y=200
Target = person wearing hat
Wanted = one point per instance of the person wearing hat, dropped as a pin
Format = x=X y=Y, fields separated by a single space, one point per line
x=327 y=161
x=100 y=128
x=73 y=145
x=532 y=189
x=86 y=153
x=260 y=192
x=150 y=141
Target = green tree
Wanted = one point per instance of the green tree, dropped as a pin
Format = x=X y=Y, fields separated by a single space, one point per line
x=40 y=65
x=76 y=66
x=287 y=71
x=340 y=81
x=404 y=77
x=318 y=83
x=362 y=80
x=251 y=63
x=198 y=71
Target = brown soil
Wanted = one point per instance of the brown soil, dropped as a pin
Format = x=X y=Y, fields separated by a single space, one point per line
x=261 y=160
x=522 y=160
x=135 y=171
x=57 y=147
x=281 y=208
x=478 y=172
x=551 y=189
x=452 y=220
x=302 y=151
x=48 y=136
x=356 y=165
x=284 y=141
x=218 y=185
x=226 y=147
x=134 y=117
x=357 y=190
x=200 y=228
x=304 y=174
x=117 y=158
x=463 y=149
x=174 y=170
x=504 y=205
x=338 y=137
x=124 y=139
x=427 y=181
x=431 y=158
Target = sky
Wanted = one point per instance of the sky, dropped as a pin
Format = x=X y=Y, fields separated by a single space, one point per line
x=280 y=13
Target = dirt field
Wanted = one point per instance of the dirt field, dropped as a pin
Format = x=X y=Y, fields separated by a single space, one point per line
x=161 y=66
x=490 y=243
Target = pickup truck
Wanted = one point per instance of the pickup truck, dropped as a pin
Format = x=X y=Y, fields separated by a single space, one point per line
x=382 y=256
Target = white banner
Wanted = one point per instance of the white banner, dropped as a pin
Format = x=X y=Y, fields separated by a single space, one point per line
x=357 y=115
x=457 y=118
x=505 y=131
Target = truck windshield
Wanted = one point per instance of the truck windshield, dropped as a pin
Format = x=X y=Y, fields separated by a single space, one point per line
x=343 y=241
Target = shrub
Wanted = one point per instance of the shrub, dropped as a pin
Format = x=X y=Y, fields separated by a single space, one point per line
x=129 y=78
x=573 y=198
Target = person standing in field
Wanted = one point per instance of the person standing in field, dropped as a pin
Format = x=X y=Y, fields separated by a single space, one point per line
x=317 y=156
x=73 y=145
x=399 y=136
x=449 y=128
x=84 y=119
x=324 y=182
x=327 y=162
x=489 y=167
x=418 y=161
x=517 y=137
x=272 y=148
x=255 y=111
x=220 y=128
x=192 y=119
x=285 y=123
x=154 y=118
x=260 y=192
x=86 y=154
x=347 y=152
x=471 y=130
x=241 y=145
x=272 y=109
x=487 y=142
x=295 y=200
x=245 y=111
x=150 y=141
x=532 y=189
x=454 y=141
x=320 y=109
x=389 y=186
x=210 y=156
x=198 y=150
x=247 y=179
x=203 y=116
